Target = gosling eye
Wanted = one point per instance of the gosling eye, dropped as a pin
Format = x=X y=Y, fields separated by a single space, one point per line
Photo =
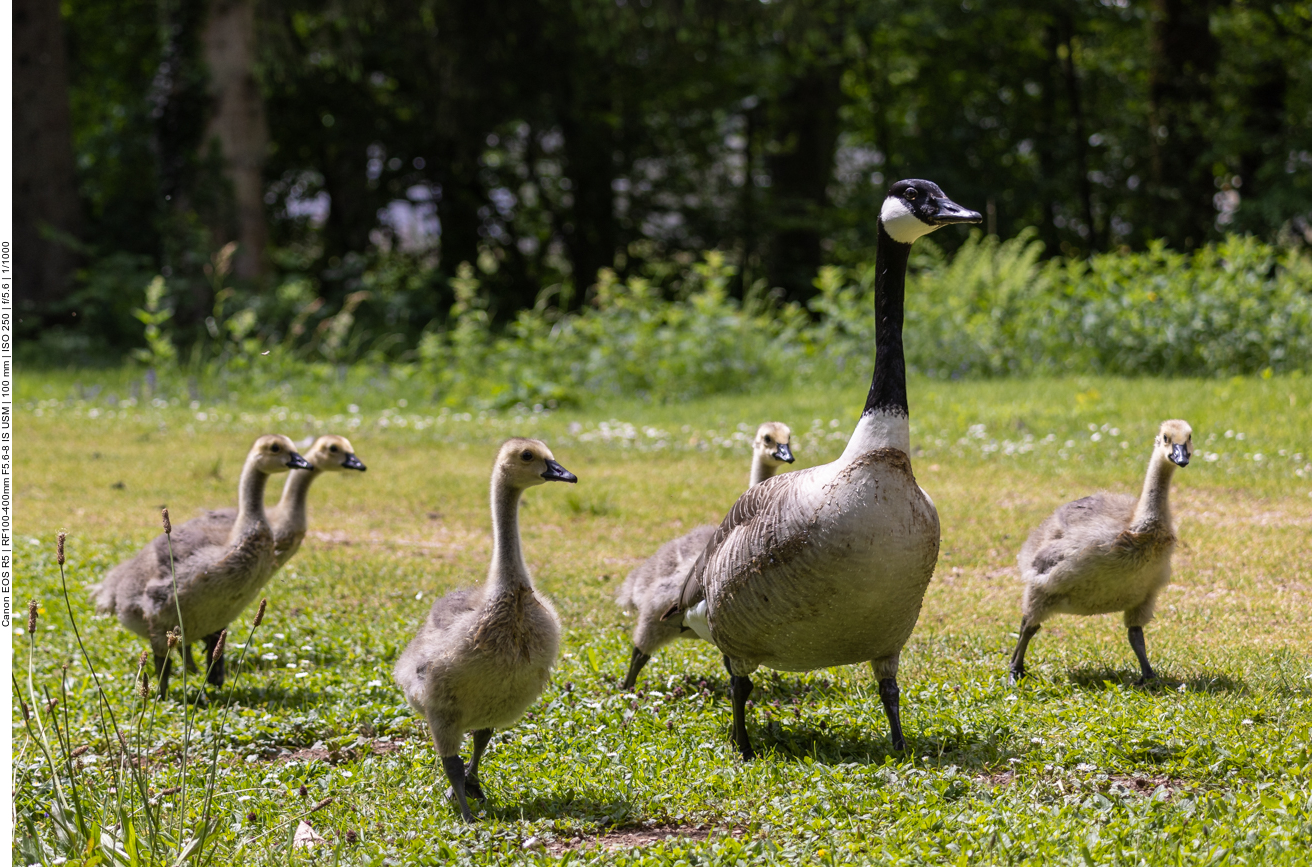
x=526 y=455
x=769 y=441
x=333 y=449
x=275 y=448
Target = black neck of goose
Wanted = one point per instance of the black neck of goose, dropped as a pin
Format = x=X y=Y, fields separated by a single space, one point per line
x=888 y=388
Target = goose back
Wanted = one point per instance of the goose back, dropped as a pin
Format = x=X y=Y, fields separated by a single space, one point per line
x=1085 y=559
x=819 y=567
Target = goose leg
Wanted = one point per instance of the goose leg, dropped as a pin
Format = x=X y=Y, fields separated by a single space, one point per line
x=455 y=772
x=214 y=669
x=889 y=694
x=163 y=668
x=636 y=661
x=472 y=788
x=1018 y=655
x=1141 y=651
x=189 y=660
x=739 y=690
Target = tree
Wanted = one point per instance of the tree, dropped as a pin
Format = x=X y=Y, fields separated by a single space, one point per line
x=238 y=129
x=48 y=216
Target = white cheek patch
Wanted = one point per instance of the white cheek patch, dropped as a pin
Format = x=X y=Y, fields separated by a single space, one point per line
x=902 y=225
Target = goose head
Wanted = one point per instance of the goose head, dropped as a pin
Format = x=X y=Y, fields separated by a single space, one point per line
x=914 y=208
x=523 y=463
x=333 y=453
x=274 y=453
x=1175 y=442
x=772 y=444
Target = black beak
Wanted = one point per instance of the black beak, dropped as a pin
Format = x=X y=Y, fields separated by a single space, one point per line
x=1179 y=455
x=556 y=473
x=296 y=462
x=950 y=212
x=784 y=453
x=353 y=463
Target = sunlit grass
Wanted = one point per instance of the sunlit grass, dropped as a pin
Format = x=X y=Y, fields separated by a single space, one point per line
x=1077 y=764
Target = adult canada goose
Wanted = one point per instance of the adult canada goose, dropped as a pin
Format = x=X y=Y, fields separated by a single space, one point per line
x=1106 y=553
x=653 y=587
x=484 y=654
x=829 y=565
x=287 y=519
x=214 y=578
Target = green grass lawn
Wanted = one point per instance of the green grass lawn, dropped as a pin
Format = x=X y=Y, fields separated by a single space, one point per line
x=1077 y=765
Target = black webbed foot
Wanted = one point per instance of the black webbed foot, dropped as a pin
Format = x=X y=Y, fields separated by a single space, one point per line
x=455 y=772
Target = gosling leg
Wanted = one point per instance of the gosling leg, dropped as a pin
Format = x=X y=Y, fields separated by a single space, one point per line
x=1018 y=655
x=214 y=669
x=455 y=772
x=636 y=661
x=1141 y=651
x=739 y=690
x=163 y=668
x=472 y=788
x=889 y=694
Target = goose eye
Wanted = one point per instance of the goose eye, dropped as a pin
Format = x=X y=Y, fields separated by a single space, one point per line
x=911 y=194
x=526 y=455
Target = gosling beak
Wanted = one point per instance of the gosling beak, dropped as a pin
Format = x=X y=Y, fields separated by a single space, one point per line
x=353 y=463
x=950 y=212
x=556 y=473
x=1179 y=455
x=296 y=462
x=784 y=453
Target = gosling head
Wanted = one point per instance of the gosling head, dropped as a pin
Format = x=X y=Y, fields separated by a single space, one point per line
x=274 y=453
x=525 y=463
x=772 y=444
x=914 y=208
x=333 y=453
x=1175 y=440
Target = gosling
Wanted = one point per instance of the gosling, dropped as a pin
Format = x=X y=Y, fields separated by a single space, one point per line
x=652 y=588
x=190 y=580
x=1106 y=553
x=484 y=654
x=288 y=519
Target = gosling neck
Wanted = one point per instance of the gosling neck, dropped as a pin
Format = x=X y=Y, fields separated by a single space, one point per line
x=761 y=470
x=1154 y=506
x=508 y=571
x=290 y=513
x=250 y=496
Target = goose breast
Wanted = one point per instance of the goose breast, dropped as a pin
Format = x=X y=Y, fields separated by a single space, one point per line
x=823 y=567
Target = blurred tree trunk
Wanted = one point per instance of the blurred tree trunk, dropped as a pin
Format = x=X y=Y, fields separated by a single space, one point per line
x=237 y=123
x=806 y=134
x=1183 y=64
x=590 y=234
x=45 y=187
x=1264 y=121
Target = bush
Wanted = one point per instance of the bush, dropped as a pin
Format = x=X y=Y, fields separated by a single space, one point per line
x=993 y=309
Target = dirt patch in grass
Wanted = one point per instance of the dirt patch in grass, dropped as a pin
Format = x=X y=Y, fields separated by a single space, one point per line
x=334 y=756
x=1234 y=508
x=1115 y=784
x=635 y=837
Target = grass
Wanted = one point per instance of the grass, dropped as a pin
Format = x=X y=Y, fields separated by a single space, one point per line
x=1075 y=766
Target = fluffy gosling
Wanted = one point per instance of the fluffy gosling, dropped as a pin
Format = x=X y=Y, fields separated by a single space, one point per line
x=484 y=654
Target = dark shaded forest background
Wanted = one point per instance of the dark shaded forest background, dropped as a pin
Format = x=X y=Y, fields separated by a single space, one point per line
x=310 y=158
